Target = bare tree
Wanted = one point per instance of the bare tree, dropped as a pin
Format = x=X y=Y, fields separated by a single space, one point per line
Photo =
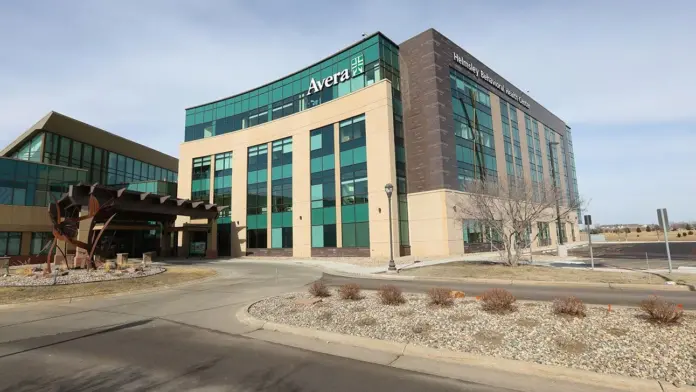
x=509 y=211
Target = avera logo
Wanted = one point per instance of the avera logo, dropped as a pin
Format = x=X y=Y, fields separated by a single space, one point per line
x=356 y=65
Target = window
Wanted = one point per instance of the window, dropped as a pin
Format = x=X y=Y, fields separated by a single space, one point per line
x=257 y=196
x=323 y=187
x=368 y=62
x=39 y=242
x=354 y=196
x=10 y=243
x=200 y=179
x=281 y=193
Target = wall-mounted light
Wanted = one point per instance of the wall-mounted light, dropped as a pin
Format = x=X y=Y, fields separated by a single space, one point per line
x=379 y=210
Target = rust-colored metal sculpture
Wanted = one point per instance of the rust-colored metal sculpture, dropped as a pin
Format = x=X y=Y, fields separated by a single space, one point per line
x=66 y=229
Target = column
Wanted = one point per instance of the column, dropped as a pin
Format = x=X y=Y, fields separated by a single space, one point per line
x=212 y=250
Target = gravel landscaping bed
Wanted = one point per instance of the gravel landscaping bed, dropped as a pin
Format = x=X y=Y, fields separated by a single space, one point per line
x=618 y=342
x=75 y=276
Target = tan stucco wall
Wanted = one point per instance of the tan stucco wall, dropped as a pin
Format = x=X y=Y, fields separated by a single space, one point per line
x=374 y=101
x=436 y=229
x=24 y=218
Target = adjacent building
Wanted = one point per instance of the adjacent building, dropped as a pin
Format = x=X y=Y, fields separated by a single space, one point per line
x=302 y=162
x=57 y=152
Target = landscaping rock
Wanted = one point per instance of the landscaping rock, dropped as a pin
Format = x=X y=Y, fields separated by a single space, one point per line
x=619 y=342
x=75 y=276
x=307 y=301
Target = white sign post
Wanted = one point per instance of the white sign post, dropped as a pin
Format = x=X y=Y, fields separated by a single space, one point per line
x=663 y=220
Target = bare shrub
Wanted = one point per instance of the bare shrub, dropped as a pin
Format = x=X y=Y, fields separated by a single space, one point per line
x=366 y=321
x=661 y=311
x=391 y=295
x=420 y=327
x=498 y=301
x=350 y=291
x=319 y=289
x=569 y=305
x=440 y=296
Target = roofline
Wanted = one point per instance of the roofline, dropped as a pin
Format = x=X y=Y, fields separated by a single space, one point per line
x=45 y=164
x=292 y=73
x=40 y=126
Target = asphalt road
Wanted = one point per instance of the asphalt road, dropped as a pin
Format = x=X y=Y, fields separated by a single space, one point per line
x=683 y=253
x=164 y=341
x=590 y=295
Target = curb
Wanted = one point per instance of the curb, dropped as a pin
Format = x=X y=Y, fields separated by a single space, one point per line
x=69 y=300
x=615 y=286
x=552 y=373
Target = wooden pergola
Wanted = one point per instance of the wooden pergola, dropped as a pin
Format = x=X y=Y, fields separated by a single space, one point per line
x=136 y=209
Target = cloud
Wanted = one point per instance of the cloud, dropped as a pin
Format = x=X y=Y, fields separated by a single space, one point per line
x=606 y=68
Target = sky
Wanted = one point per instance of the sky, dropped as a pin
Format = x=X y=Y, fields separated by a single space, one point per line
x=620 y=73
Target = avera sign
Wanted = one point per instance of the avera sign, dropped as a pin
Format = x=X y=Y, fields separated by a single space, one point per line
x=336 y=78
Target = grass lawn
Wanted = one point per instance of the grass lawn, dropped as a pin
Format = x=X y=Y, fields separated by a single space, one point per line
x=172 y=276
x=651 y=236
x=463 y=269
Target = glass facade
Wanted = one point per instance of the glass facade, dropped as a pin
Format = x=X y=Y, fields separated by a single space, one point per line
x=200 y=179
x=369 y=61
x=26 y=183
x=281 y=193
x=475 y=148
x=544 y=234
x=552 y=152
x=536 y=167
x=155 y=187
x=103 y=166
x=511 y=138
x=257 y=196
x=10 y=243
x=31 y=150
x=573 y=180
x=355 y=224
x=39 y=242
x=222 y=196
x=222 y=184
x=323 y=187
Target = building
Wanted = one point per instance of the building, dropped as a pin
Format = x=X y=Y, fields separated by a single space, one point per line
x=302 y=161
x=40 y=166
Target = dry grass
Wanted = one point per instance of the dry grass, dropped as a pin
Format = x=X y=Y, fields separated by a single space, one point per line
x=366 y=321
x=570 y=345
x=463 y=269
x=651 y=236
x=172 y=276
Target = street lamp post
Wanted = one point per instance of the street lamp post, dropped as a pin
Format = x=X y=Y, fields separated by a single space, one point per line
x=388 y=189
x=555 y=193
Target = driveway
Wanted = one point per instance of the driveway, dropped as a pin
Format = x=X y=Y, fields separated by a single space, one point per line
x=180 y=339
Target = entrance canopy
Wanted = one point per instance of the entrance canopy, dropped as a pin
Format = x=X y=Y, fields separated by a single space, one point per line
x=138 y=206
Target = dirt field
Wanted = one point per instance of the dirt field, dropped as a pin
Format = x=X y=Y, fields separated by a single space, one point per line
x=465 y=269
